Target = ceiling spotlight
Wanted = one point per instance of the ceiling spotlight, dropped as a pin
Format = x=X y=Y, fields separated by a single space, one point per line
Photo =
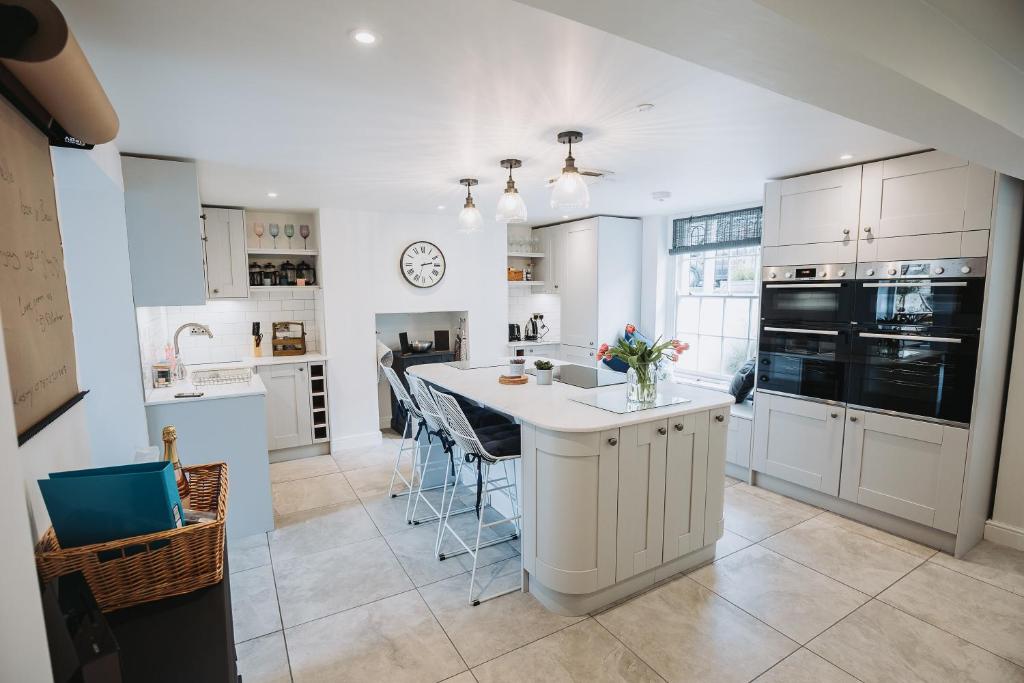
x=646 y=106
x=565 y=216
x=363 y=36
x=569 y=191
x=660 y=196
x=271 y=194
x=845 y=157
x=440 y=207
x=470 y=219
x=511 y=207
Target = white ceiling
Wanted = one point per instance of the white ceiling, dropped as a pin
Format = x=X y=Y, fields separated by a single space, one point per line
x=272 y=96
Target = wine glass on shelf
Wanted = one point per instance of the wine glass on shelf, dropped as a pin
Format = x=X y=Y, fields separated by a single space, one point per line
x=289 y=232
x=257 y=228
x=275 y=230
x=304 y=233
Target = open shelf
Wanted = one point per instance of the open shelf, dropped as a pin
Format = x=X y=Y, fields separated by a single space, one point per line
x=270 y=251
x=264 y=287
x=532 y=254
x=524 y=283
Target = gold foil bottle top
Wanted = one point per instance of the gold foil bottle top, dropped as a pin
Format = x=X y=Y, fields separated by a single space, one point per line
x=170 y=433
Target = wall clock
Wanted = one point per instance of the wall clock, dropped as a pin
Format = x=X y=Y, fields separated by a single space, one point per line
x=422 y=264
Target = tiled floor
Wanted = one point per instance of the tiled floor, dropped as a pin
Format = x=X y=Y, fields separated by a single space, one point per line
x=345 y=590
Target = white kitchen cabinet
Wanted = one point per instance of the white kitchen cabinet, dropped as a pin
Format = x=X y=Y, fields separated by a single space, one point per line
x=579 y=300
x=908 y=468
x=741 y=433
x=640 y=534
x=289 y=419
x=929 y=205
x=165 y=247
x=227 y=270
x=799 y=440
x=578 y=355
x=686 y=464
x=536 y=351
x=813 y=209
x=550 y=268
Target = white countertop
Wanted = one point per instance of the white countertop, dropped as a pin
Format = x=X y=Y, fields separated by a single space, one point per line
x=254 y=387
x=540 y=342
x=549 y=407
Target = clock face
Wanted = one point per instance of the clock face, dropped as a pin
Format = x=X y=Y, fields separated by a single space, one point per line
x=422 y=264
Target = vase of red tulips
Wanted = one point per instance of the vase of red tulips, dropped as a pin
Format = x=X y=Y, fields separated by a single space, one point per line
x=645 y=363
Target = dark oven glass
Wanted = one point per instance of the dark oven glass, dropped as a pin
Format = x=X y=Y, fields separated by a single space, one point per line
x=930 y=374
x=807 y=302
x=803 y=361
x=950 y=303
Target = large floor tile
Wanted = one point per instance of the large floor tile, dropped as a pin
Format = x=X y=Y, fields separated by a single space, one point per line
x=368 y=457
x=496 y=626
x=856 y=560
x=314 y=492
x=730 y=481
x=302 y=468
x=803 y=666
x=880 y=644
x=756 y=517
x=464 y=677
x=992 y=563
x=987 y=616
x=778 y=499
x=374 y=481
x=687 y=633
x=310 y=531
x=264 y=660
x=330 y=581
x=797 y=601
x=915 y=549
x=414 y=548
x=582 y=652
x=254 y=603
x=730 y=543
x=395 y=640
x=248 y=552
x=389 y=513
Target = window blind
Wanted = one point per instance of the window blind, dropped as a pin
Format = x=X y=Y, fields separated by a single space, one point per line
x=724 y=230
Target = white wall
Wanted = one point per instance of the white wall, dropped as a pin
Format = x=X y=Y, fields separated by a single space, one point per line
x=359 y=271
x=90 y=204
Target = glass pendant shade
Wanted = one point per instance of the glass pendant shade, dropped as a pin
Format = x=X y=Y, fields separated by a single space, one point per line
x=470 y=219
x=511 y=208
x=570 y=191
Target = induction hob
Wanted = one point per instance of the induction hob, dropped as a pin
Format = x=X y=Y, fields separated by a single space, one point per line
x=584 y=377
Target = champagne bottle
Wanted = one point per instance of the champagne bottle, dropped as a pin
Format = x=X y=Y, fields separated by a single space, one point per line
x=170 y=437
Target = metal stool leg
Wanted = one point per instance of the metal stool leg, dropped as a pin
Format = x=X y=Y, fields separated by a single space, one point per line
x=398 y=458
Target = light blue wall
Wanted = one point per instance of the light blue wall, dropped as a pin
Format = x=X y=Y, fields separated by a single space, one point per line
x=90 y=203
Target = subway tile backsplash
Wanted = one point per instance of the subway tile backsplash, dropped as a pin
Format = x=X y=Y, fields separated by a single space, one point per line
x=231 y=321
x=522 y=305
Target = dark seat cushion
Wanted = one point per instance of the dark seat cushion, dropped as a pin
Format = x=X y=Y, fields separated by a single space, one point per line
x=506 y=445
x=482 y=417
x=743 y=381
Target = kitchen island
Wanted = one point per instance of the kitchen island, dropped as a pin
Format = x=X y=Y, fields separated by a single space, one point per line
x=611 y=502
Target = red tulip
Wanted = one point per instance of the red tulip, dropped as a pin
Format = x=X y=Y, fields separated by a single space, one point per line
x=675 y=357
x=630 y=328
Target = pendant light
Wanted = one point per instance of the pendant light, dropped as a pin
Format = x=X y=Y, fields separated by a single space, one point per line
x=570 y=192
x=470 y=219
x=511 y=207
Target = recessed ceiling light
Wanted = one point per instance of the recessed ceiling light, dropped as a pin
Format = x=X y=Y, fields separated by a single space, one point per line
x=271 y=194
x=440 y=207
x=646 y=106
x=845 y=157
x=565 y=216
x=660 y=196
x=363 y=36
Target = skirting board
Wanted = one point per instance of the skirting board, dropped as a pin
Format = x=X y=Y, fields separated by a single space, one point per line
x=299 y=452
x=932 y=538
x=352 y=441
x=1004 y=534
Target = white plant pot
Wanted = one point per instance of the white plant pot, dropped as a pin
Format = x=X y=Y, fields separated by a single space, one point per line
x=544 y=377
x=516 y=369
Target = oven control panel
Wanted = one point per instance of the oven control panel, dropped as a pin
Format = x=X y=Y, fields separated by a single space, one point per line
x=808 y=273
x=911 y=270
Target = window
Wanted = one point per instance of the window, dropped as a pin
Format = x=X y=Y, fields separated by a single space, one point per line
x=717 y=287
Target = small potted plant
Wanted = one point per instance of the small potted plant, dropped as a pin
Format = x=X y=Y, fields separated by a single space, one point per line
x=516 y=366
x=544 y=371
x=645 y=361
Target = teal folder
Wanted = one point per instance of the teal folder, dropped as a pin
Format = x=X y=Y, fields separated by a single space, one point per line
x=108 y=503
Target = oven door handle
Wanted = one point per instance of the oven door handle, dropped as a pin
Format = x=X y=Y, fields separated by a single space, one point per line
x=795 y=330
x=911 y=337
x=876 y=285
x=809 y=285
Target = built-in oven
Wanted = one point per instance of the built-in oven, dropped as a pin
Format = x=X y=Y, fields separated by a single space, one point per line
x=945 y=294
x=808 y=295
x=924 y=373
x=807 y=361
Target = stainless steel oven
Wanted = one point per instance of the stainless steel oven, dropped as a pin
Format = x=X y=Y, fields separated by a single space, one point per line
x=808 y=295
x=945 y=294
x=804 y=360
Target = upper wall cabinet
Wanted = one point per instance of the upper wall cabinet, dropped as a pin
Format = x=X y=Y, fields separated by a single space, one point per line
x=227 y=275
x=161 y=201
x=813 y=209
x=929 y=205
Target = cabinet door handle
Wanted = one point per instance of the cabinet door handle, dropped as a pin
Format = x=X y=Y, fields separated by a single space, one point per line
x=613 y=441
x=846 y=231
x=301 y=369
x=662 y=431
x=216 y=291
x=853 y=418
x=867 y=228
x=719 y=418
x=835 y=415
x=678 y=426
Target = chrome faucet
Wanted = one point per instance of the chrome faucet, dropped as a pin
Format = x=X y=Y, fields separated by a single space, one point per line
x=179 y=367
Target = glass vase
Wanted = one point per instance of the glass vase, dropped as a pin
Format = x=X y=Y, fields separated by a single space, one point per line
x=642 y=383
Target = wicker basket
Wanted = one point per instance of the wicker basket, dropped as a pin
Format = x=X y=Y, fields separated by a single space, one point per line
x=516 y=275
x=152 y=566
